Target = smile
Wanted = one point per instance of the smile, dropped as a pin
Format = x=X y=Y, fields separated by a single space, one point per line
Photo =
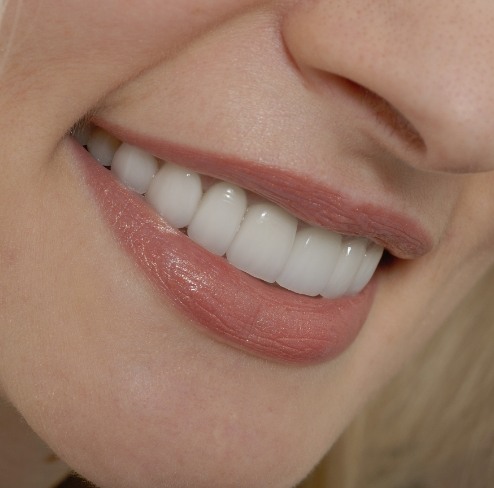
x=216 y=248
x=254 y=235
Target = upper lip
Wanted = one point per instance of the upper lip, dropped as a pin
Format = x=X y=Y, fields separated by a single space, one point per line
x=307 y=199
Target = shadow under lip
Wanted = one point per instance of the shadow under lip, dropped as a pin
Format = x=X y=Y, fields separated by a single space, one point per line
x=233 y=307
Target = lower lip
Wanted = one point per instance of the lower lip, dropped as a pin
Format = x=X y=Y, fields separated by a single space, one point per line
x=235 y=308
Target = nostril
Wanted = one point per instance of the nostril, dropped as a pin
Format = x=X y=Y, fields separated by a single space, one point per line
x=386 y=114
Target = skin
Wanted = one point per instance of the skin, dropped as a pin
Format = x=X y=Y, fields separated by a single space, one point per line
x=110 y=375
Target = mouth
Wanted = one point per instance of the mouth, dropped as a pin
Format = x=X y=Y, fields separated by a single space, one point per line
x=261 y=259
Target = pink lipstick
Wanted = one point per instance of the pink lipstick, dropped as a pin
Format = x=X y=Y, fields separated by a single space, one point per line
x=232 y=306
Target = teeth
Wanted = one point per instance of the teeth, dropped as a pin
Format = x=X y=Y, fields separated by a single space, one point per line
x=369 y=264
x=134 y=167
x=102 y=146
x=218 y=217
x=261 y=239
x=175 y=194
x=264 y=241
x=349 y=260
x=312 y=259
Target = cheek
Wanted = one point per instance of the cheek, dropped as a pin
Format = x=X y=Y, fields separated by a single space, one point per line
x=472 y=230
x=79 y=51
x=97 y=34
x=125 y=390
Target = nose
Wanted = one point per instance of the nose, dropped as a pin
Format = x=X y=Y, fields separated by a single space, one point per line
x=433 y=62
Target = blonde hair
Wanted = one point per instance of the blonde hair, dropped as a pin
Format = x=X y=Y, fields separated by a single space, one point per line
x=433 y=425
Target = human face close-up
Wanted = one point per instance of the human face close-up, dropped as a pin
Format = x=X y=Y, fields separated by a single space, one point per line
x=141 y=357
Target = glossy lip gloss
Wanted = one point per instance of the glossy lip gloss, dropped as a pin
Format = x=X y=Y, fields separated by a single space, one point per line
x=234 y=307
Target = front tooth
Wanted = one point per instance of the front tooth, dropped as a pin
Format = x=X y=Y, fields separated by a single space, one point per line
x=102 y=146
x=218 y=217
x=175 y=193
x=263 y=242
x=351 y=256
x=134 y=167
x=313 y=257
x=369 y=264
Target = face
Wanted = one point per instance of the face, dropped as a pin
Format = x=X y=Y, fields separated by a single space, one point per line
x=144 y=359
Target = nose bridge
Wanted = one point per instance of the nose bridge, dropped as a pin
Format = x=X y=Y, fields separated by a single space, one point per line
x=432 y=61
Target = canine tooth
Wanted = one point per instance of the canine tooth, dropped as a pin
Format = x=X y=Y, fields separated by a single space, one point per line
x=218 y=217
x=369 y=264
x=263 y=243
x=134 y=167
x=102 y=146
x=175 y=193
x=313 y=257
x=351 y=256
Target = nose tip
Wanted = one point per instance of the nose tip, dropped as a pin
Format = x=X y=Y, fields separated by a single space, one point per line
x=418 y=60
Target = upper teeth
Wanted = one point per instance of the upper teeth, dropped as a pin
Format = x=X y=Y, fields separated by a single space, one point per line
x=261 y=238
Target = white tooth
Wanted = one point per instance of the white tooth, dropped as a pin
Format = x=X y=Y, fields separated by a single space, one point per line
x=351 y=255
x=313 y=257
x=102 y=146
x=175 y=193
x=369 y=264
x=134 y=167
x=263 y=242
x=218 y=217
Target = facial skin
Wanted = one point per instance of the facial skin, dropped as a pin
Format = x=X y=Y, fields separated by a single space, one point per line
x=115 y=379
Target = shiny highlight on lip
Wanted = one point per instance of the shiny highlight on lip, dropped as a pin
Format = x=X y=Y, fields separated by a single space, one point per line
x=234 y=307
